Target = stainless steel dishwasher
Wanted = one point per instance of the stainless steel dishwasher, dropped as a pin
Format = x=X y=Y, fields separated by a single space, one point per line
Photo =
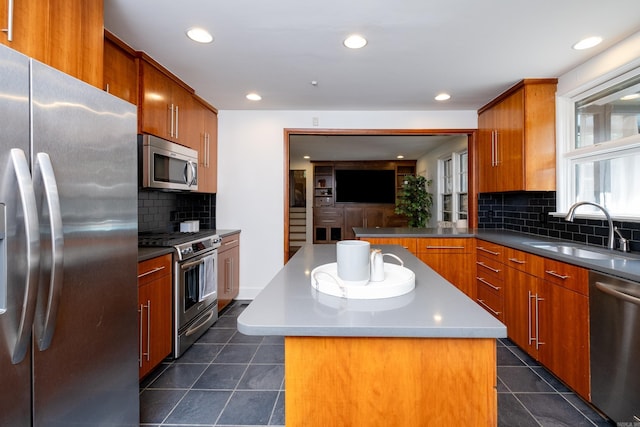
x=614 y=306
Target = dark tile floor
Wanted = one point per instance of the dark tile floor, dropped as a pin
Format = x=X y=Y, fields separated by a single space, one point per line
x=231 y=379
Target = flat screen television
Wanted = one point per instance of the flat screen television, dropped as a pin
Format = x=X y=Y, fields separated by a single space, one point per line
x=365 y=186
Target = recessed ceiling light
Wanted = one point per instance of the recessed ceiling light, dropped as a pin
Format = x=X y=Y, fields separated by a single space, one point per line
x=399 y=156
x=587 y=43
x=199 y=35
x=253 y=97
x=306 y=157
x=355 y=41
x=442 y=97
x=630 y=97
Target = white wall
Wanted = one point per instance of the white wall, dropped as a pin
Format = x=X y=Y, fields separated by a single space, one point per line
x=250 y=174
x=427 y=166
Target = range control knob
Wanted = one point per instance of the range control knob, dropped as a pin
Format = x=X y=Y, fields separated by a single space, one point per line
x=186 y=251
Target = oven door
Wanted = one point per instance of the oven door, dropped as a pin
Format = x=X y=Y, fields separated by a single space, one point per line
x=196 y=283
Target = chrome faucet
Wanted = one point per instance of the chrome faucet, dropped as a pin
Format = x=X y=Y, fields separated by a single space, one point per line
x=571 y=214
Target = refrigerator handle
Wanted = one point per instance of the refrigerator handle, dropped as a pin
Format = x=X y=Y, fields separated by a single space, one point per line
x=32 y=235
x=43 y=173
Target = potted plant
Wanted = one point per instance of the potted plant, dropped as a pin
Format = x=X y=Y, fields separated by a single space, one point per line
x=415 y=200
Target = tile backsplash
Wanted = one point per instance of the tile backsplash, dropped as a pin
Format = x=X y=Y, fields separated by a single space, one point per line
x=528 y=212
x=162 y=211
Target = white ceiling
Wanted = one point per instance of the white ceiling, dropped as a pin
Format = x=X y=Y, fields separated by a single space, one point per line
x=471 y=49
x=417 y=48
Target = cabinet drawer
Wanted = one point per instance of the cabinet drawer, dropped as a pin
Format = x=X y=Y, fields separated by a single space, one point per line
x=456 y=246
x=229 y=242
x=490 y=301
x=490 y=250
x=490 y=285
x=154 y=268
x=408 y=244
x=524 y=261
x=566 y=275
x=489 y=269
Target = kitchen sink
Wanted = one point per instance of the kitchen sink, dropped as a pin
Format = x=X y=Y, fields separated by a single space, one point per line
x=580 y=251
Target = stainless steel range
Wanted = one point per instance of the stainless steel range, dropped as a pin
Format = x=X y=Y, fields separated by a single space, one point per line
x=195 y=272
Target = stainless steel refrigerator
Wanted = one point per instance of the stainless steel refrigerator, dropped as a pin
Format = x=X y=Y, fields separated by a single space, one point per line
x=68 y=250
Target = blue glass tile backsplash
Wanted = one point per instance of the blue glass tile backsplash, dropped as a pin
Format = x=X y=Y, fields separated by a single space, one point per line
x=528 y=212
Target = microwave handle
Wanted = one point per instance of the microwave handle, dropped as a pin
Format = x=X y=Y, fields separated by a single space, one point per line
x=189 y=173
x=194 y=174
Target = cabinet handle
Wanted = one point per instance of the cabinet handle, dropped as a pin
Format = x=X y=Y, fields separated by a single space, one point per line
x=177 y=124
x=170 y=109
x=231 y=242
x=206 y=150
x=496 y=313
x=558 y=275
x=141 y=310
x=531 y=339
x=496 y=150
x=148 y=328
x=146 y=273
x=493 y=148
x=517 y=261
x=9 y=29
x=497 y=288
x=538 y=343
x=480 y=248
x=329 y=221
x=482 y=264
x=445 y=247
x=106 y=89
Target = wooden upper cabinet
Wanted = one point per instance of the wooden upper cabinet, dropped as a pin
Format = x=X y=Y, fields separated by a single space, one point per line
x=208 y=149
x=67 y=35
x=120 y=69
x=516 y=149
x=167 y=107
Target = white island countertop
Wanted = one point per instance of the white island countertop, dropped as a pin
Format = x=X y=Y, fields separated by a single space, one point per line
x=290 y=306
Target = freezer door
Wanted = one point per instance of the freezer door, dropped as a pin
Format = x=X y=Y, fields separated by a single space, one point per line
x=85 y=367
x=15 y=378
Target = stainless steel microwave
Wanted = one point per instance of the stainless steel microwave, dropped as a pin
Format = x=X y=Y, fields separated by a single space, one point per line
x=167 y=165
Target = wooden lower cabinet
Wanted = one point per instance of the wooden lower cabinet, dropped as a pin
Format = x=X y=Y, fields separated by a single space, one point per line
x=452 y=258
x=228 y=270
x=550 y=321
x=154 y=312
x=389 y=381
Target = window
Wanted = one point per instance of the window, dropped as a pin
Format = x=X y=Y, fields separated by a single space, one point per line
x=599 y=148
x=453 y=187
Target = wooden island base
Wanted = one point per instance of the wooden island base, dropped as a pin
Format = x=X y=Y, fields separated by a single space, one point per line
x=379 y=381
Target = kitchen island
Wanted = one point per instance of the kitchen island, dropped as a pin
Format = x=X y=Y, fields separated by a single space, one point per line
x=424 y=358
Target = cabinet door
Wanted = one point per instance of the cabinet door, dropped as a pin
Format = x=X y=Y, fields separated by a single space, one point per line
x=208 y=152
x=155 y=113
x=564 y=335
x=228 y=273
x=187 y=117
x=486 y=169
x=30 y=28
x=67 y=35
x=120 y=72
x=519 y=302
x=510 y=143
x=453 y=259
x=374 y=217
x=76 y=38
x=353 y=217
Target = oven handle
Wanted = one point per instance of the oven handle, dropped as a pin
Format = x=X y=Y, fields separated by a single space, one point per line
x=188 y=265
x=192 y=330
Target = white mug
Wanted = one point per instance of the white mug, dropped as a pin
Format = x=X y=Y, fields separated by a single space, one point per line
x=353 y=260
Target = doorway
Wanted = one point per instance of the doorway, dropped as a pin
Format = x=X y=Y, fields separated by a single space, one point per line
x=290 y=134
